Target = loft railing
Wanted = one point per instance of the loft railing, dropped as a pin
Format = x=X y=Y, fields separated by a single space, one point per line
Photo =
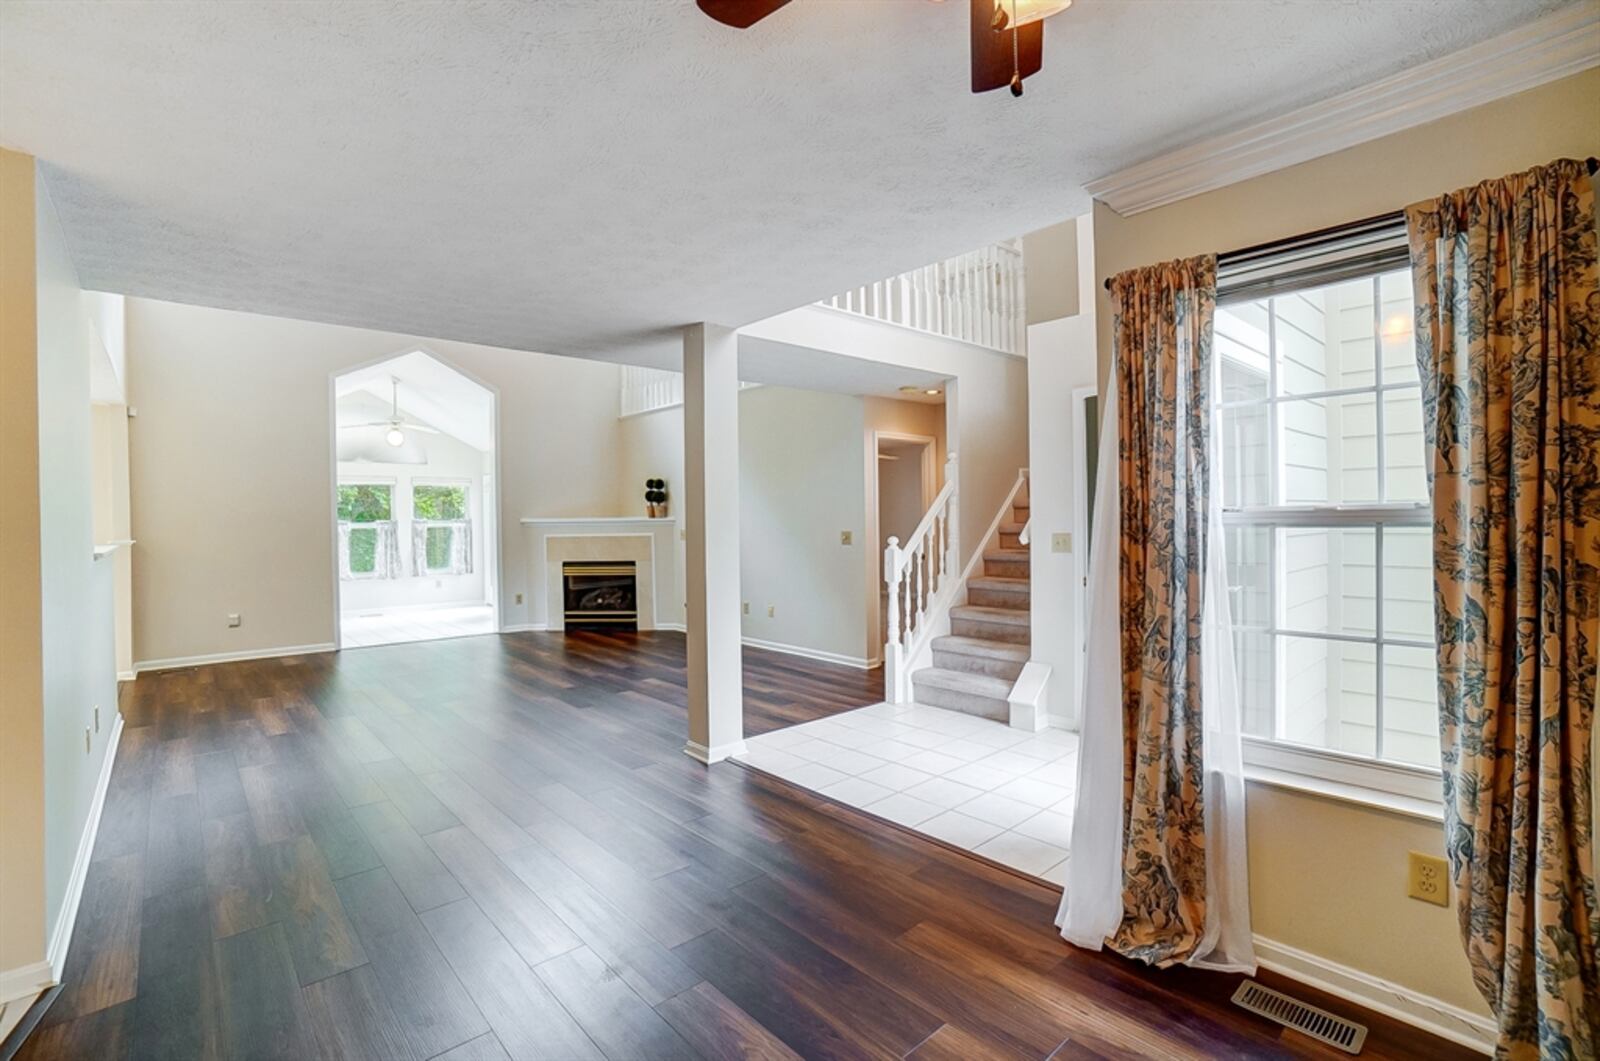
x=976 y=297
x=918 y=575
x=644 y=390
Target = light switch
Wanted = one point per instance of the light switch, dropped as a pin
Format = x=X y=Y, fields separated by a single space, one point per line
x=1061 y=543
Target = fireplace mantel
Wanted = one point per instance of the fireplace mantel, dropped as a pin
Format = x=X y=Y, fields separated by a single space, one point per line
x=653 y=545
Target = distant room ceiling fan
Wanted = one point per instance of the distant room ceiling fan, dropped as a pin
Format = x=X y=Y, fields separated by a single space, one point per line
x=1007 y=35
x=397 y=424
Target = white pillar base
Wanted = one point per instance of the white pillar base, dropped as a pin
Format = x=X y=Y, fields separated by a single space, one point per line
x=700 y=753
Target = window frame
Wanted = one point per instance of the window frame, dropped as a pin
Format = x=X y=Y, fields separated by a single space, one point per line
x=415 y=520
x=1271 y=755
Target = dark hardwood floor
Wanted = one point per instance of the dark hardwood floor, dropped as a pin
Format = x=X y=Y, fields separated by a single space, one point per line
x=495 y=847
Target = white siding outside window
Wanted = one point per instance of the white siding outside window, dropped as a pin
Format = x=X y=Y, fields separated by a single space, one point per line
x=1319 y=428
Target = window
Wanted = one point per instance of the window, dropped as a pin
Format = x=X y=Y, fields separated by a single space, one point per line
x=441 y=529
x=365 y=528
x=1328 y=532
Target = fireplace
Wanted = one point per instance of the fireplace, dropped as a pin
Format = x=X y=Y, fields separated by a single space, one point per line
x=600 y=594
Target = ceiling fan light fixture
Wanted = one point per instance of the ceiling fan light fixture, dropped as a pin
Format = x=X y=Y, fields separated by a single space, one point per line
x=395 y=437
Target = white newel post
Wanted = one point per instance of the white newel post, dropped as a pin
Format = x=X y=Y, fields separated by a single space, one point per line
x=893 y=651
x=711 y=532
x=953 y=519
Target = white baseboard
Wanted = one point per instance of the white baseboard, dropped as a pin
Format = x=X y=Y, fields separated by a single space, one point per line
x=524 y=628
x=127 y=675
x=700 y=753
x=1447 y=1021
x=677 y=628
x=859 y=662
x=39 y=976
x=145 y=666
x=25 y=981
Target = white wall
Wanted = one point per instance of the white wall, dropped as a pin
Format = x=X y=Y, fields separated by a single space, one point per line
x=232 y=468
x=1060 y=361
x=112 y=519
x=987 y=405
x=449 y=459
x=801 y=484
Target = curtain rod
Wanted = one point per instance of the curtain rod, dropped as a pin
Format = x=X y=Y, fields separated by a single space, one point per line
x=1592 y=163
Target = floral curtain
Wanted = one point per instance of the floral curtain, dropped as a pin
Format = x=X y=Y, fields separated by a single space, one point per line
x=1508 y=322
x=1162 y=319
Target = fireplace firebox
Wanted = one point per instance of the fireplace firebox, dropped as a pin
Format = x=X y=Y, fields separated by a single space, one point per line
x=600 y=594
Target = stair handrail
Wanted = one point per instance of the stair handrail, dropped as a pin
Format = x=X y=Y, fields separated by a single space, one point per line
x=919 y=574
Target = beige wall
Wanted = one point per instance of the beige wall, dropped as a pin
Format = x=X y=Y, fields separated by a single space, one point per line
x=231 y=468
x=22 y=900
x=1329 y=877
x=1050 y=272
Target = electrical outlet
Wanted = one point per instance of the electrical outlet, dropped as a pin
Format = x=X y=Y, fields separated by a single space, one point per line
x=234 y=619
x=519 y=598
x=772 y=611
x=844 y=537
x=1429 y=879
x=1061 y=543
x=747 y=607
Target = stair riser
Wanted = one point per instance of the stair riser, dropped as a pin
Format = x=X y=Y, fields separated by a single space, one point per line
x=1006 y=568
x=967 y=703
x=1015 y=599
x=1010 y=541
x=986 y=665
x=963 y=627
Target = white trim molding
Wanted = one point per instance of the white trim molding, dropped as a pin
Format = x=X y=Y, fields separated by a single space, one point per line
x=858 y=662
x=61 y=938
x=26 y=981
x=1547 y=49
x=144 y=666
x=1472 y=1030
x=700 y=753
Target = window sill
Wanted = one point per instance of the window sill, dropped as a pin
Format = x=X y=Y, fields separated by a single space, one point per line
x=1345 y=792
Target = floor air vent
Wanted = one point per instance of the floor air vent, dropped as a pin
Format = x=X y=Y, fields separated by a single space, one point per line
x=1309 y=1020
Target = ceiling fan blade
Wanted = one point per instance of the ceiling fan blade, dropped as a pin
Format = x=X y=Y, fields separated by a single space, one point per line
x=425 y=429
x=369 y=423
x=740 y=14
x=992 y=60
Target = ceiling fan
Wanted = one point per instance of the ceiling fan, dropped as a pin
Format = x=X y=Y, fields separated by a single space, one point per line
x=1007 y=35
x=395 y=436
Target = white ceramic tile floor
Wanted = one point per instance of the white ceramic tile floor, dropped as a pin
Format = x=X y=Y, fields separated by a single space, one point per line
x=397 y=625
x=979 y=785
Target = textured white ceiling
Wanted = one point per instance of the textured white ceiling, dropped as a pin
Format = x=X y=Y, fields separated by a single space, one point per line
x=585 y=176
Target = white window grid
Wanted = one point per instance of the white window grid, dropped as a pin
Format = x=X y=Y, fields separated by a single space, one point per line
x=452 y=524
x=1278 y=514
x=387 y=484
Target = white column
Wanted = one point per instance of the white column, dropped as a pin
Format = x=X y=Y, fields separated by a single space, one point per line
x=711 y=517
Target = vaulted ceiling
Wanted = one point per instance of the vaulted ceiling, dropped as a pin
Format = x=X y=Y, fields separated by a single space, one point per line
x=585 y=177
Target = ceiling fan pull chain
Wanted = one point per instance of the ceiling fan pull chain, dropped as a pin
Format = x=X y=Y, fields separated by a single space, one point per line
x=1016 y=61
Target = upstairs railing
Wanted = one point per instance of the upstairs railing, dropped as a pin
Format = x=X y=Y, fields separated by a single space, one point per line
x=644 y=390
x=976 y=297
x=916 y=575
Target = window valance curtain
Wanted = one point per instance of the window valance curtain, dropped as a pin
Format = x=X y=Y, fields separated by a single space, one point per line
x=386 y=550
x=1165 y=879
x=1507 y=325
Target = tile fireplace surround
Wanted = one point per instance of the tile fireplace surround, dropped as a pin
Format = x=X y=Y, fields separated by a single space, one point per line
x=652 y=544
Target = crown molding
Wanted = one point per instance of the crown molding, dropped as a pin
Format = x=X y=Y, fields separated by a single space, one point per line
x=1544 y=50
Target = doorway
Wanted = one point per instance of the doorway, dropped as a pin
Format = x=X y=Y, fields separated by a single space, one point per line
x=905 y=483
x=415 y=506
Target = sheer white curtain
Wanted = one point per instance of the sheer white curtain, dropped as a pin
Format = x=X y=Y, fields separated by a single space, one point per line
x=1091 y=903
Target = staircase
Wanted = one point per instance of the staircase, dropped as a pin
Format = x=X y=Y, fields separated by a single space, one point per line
x=978 y=662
